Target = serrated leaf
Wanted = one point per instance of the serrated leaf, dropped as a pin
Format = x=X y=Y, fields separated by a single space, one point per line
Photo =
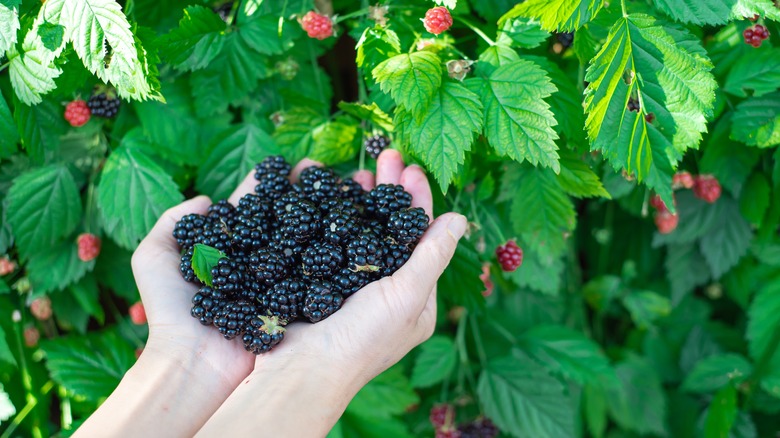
x=443 y=135
x=541 y=212
x=9 y=24
x=578 y=179
x=89 y=366
x=43 y=205
x=8 y=134
x=721 y=414
x=518 y=122
x=729 y=161
x=757 y=121
x=569 y=353
x=87 y=295
x=715 y=372
x=539 y=273
x=133 y=193
x=460 y=283
x=388 y=394
x=369 y=426
x=236 y=153
x=6 y=356
x=560 y=15
x=376 y=45
x=40 y=127
x=646 y=306
x=754 y=206
x=595 y=407
x=449 y=4
x=32 y=74
x=494 y=57
x=565 y=103
x=57 y=266
x=411 y=79
x=757 y=71
x=714 y=11
x=667 y=70
x=204 y=258
x=264 y=35
x=113 y=271
x=294 y=136
x=697 y=219
x=371 y=113
x=522 y=32
x=335 y=142
x=197 y=41
x=638 y=404
x=764 y=322
x=686 y=269
x=728 y=240
x=435 y=362
x=67 y=312
x=524 y=400
x=52 y=35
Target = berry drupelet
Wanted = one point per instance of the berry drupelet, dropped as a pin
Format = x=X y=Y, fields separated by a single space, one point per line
x=77 y=113
x=375 y=144
x=707 y=188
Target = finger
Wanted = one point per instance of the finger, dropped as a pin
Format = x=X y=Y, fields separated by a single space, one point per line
x=246 y=186
x=303 y=164
x=365 y=178
x=389 y=167
x=414 y=181
x=433 y=254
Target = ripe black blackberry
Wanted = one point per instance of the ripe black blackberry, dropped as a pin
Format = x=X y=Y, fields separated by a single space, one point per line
x=285 y=299
x=339 y=226
x=348 y=282
x=223 y=211
x=189 y=230
x=376 y=144
x=262 y=334
x=216 y=235
x=322 y=300
x=228 y=276
x=349 y=189
x=104 y=105
x=254 y=222
x=565 y=38
x=407 y=226
x=272 y=164
x=322 y=259
x=204 y=302
x=272 y=175
x=385 y=199
x=318 y=184
x=284 y=204
x=342 y=204
x=286 y=246
x=393 y=257
x=185 y=267
x=268 y=265
x=481 y=428
x=301 y=222
x=364 y=253
x=232 y=318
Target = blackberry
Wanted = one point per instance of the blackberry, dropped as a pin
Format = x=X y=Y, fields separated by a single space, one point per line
x=386 y=199
x=318 y=184
x=376 y=144
x=189 y=229
x=482 y=428
x=364 y=253
x=232 y=318
x=284 y=204
x=339 y=226
x=286 y=246
x=393 y=257
x=342 y=204
x=272 y=175
x=223 y=211
x=216 y=235
x=322 y=300
x=204 y=302
x=272 y=164
x=228 y=276
x=348 y=282
x=103 y=105
x=322 y=259
x=285 y=299
x=269 y=266
x=565 y=38
x=301 y=222
x=253 y=223
x=186 y=267
x=350 y=189
x=407 y=226
x=262 y=334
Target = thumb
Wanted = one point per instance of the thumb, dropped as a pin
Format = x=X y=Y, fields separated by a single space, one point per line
x=433 y=253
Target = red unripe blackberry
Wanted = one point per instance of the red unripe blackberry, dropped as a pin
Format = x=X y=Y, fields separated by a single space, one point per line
x=666 y=222
x=437 y=20
x=137 y=313
x=442 y=415
x=755 y=35
x=41 y=308
x=707 y=187
x=7 y=266
x=510 y=256
x=77 y=113
x=31 y=336
x=317 y=25
x=89 y=246
x=682 y=180
x=657 y=203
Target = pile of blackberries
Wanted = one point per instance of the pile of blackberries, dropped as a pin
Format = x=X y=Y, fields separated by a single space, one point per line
x=295 y=251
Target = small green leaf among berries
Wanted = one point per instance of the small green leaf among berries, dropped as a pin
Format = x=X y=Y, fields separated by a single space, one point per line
x=204 y=259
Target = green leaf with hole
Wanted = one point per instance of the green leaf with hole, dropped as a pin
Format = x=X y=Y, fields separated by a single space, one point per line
x=204 y=258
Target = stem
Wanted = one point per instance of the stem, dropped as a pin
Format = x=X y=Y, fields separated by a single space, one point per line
x=317 y=77
x=504 y=332
x=497 y=227
x=478 y=340
x=31 y=403
x=763 y=364
x=623 y=7
x=477 y=31
x=2 y=67
x=357 y=13
x=66 y=419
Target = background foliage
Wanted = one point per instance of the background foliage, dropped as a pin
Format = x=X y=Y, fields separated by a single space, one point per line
x=609 y=328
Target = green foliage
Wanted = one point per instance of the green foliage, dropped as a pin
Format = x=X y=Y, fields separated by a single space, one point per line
x=204 y=258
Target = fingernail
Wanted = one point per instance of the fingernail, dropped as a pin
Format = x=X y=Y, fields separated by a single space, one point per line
x=457 y=226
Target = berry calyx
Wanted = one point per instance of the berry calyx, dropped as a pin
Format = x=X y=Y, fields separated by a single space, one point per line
x=89 y=246
x=755 y=35
x=41 y=308
x=137 y=313
x=666 y=222
x=317 y=25
x=77 y=113
x=437 y=20
x=707 y=188
x=682 y=180
x=510 y=256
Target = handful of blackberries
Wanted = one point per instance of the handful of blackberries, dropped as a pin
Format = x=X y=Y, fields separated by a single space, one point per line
x=293 y=252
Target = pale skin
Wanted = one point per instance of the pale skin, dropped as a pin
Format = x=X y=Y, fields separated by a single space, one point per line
x=190 y=381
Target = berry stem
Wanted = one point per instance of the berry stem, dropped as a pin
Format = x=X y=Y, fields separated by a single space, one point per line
x=623 y=8
x=3 y=66
x=317 y=77
x=478 y=340
x=66 y=419
x=476 y=30
x=357 y=13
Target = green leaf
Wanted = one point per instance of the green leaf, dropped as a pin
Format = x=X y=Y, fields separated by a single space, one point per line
x=460 y=283
x=369 y=426
x=133 y=193
x=524 y=400
x=443 y=135
x=411 y=79
x=697 y=219
x=595 y=406
x=764 y=322
x=522 y=32
x=578 y=179
x=376 y=45
x=6 y=356
x=435 y=362
x=729 y=161
x=538 y=191
x=569 y=353
x=518 y=122
x=87 y=294
x=565 y=103
x=40 y=127
x=263 y=34
x=667 y=70
x=757 y=121
x=721 y=414
x=388 y=394
x=450 y=4
x=335 y=142
x=43 y=205
x=57 y=266
x=69 y=315
x=714 y=11
x=560 y=15
x=758 y=71
x=204 y=258
x=538 y=272
x=686 y=269
x=646 y=306
x=197 y=41
x=9 y=24
x=236 y=153
x=638 y=404
x=51 y=35
x=371 y=113
x=89 y=366
x=714 y=372
x=494 y=57
x=113 y=270
x=728 y=240
x=294 y=136
x=754 y=206
x=9 y=137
